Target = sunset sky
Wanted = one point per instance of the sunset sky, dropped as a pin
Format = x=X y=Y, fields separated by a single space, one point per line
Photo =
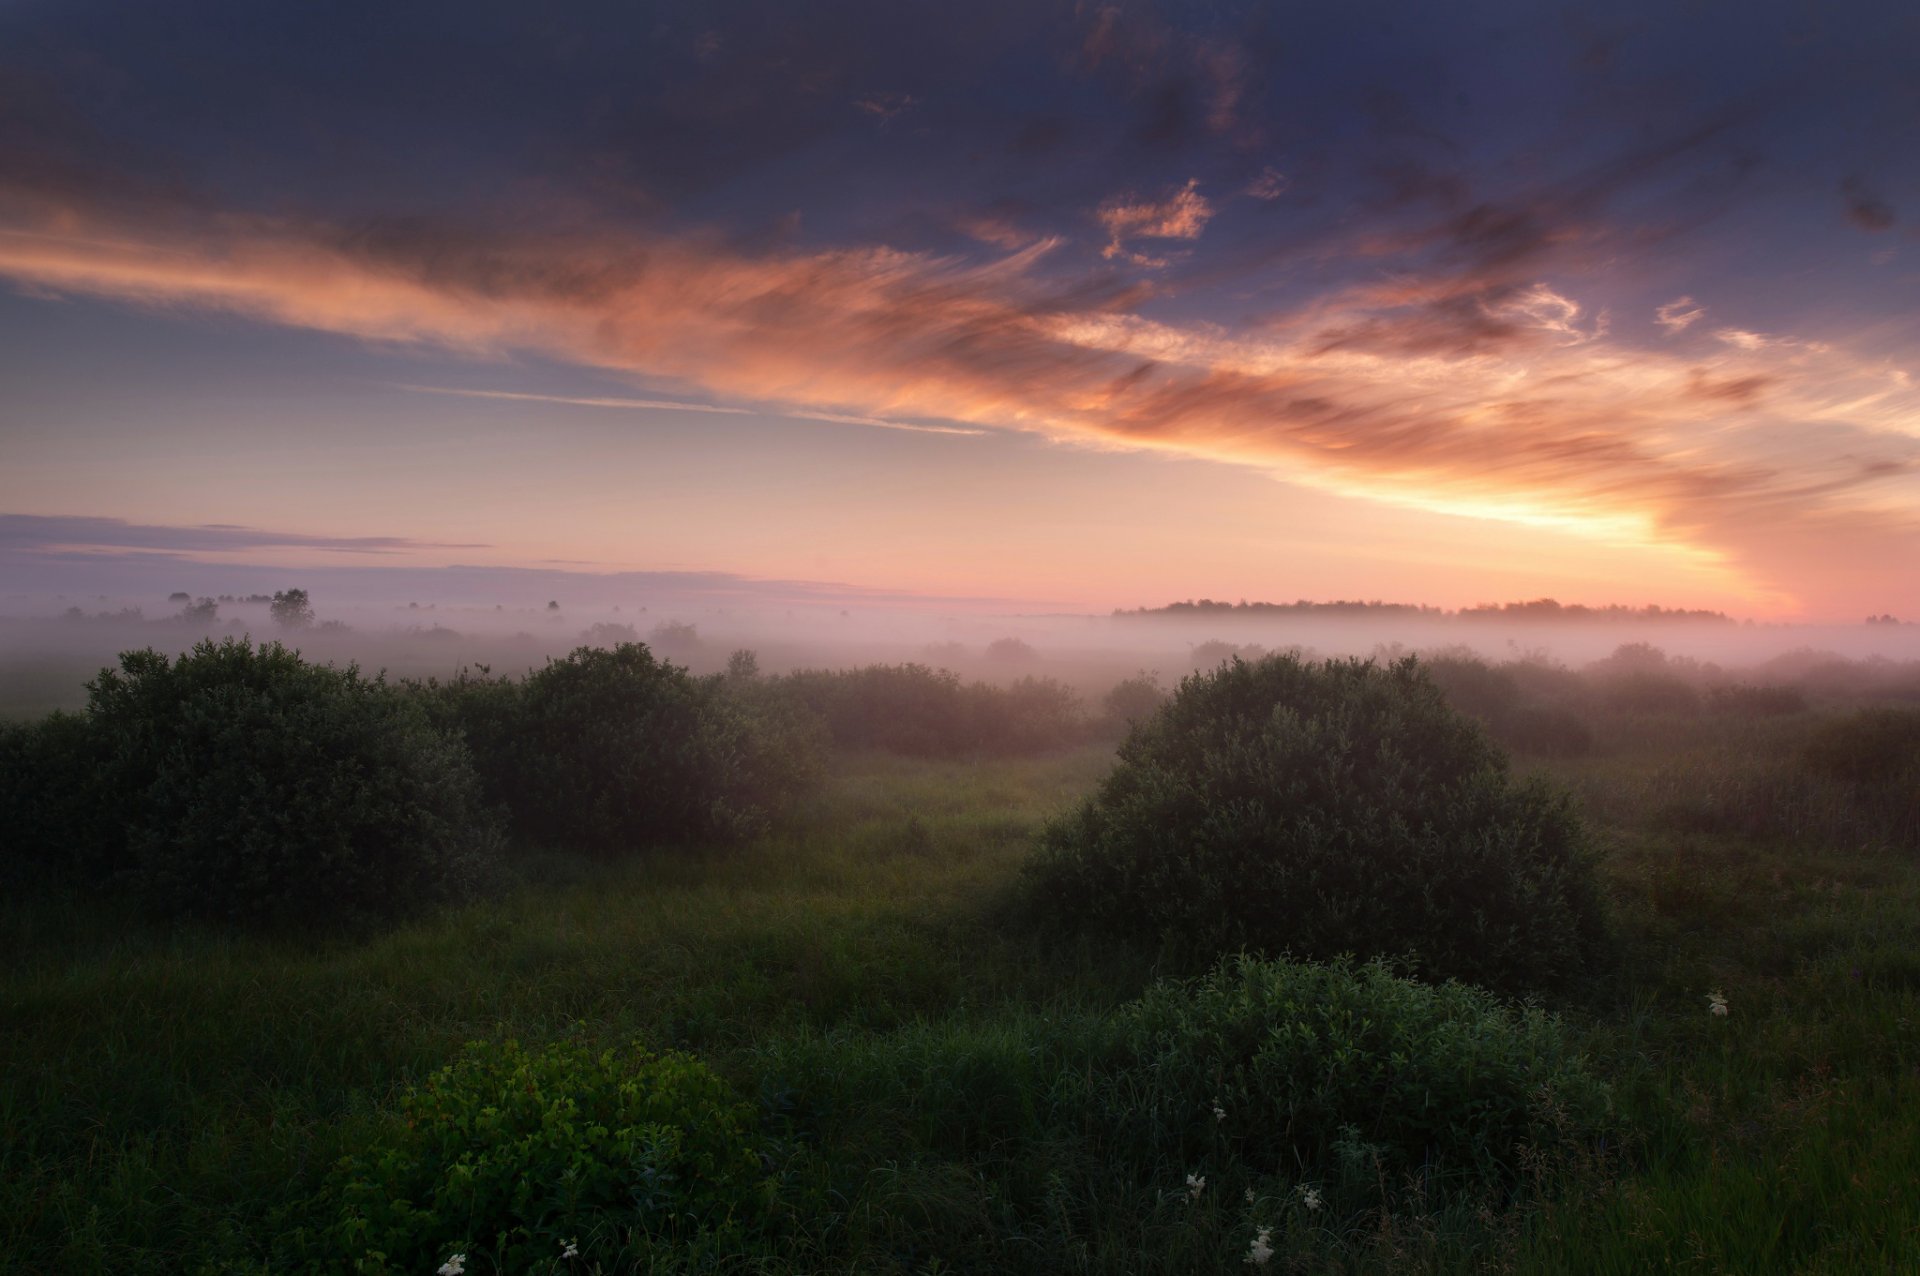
x=1027 y=304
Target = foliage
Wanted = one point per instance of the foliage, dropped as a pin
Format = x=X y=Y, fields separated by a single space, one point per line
x=1746 y=700
x=61 y=822
x=924 y=712
x=1324 y=809
x=291 y=609
x=1649 y=692
x=613 y=749
x=608 y=633
x=510 y=1156
x=675 y=638
x=1879 y=747
x=1134 y=699
x=1473 y=687
x=1347 y=1076
x=259 y=787
x=1546 y=731
x=1010 y=650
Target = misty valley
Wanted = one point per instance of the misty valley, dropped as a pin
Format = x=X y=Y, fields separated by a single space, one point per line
x=1202 y=939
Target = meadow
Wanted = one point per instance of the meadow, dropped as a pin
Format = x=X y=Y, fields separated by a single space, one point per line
x=867 y=976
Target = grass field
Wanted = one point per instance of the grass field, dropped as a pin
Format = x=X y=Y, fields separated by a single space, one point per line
x=165 y=1093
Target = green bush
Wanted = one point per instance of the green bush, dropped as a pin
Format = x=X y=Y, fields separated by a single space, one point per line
x=1473 y=687
x=251 y=785
x=61 y=823
x=508 y=1156
x=612 y=749
x=1346 y=1076
x=1872 y=747
x=1322 y=809
x=1133 y=700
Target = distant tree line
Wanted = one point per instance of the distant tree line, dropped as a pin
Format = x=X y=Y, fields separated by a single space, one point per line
x=1539 y=609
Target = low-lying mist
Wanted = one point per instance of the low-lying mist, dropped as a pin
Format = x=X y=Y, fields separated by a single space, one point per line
x=50 y=647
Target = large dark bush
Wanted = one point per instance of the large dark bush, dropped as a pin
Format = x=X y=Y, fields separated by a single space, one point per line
x=1349 y=1077
x=60 y=823
x=1322 y=809
x=511 y=1158
x=251 y=785
x=613 y=749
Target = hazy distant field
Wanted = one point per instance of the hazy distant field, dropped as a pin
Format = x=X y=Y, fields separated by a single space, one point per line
x=169 y=1092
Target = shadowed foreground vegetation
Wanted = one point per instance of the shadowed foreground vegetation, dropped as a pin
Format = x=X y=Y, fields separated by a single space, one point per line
x=888 y=1066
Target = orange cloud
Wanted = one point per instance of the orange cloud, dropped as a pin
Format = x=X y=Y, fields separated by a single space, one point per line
x=1181 y=215
x=1472 y=394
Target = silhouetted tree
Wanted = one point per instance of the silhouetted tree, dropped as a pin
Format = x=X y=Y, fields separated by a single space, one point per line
x=291 y=610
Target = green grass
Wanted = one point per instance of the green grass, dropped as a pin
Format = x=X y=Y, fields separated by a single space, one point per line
x=164 y=1093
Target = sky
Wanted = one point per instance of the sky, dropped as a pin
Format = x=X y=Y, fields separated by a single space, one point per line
x=1039 y=305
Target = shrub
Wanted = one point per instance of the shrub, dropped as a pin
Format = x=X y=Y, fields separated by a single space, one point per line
x=1010 y=651
x=258 y=786
x=1871 y=747
x=1547 y=731
x=1134 y=700
x=1346 y=1076
x=61 y=823
x=1328 y=809
x=1749 y=701
x=1473 y=687
x=608 y=633
x=1645 y=691
x=1214 y=652
x=925 y=712
x=1027 y=716
x=675 y=638
x=610 y=749
x=508 y=1156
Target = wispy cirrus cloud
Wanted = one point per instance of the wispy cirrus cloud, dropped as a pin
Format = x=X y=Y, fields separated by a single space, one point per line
x=76 y=532
x=1465 y=384
x=620 y=403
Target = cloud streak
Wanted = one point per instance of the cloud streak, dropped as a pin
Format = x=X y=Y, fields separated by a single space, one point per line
x=83 y=533
x=1462 y=383
x=670 y=405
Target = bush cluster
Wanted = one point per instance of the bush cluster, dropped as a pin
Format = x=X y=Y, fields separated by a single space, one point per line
x=925 y=712
x=243 y=783
x=61 y=822
x=511 y=1156
x=613 y=749
x=1263 y=1074
x=1505 y=698
x=1347 y=1076
x=1327 y=809
x=1872 y=747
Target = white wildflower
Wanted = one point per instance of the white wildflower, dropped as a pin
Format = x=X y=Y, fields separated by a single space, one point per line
x=454 y=1266
x=570 y=1249
x=1716 y=1003
x=1249 y=1196
x=1196 y=1184
x=1219 y=1113
x=1310 y=1197
x=1260 y=1251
